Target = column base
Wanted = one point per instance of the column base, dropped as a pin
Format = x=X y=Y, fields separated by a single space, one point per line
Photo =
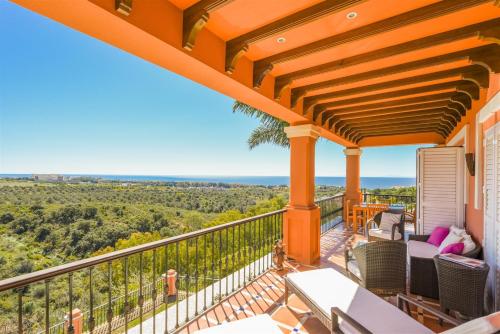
x=301 y=231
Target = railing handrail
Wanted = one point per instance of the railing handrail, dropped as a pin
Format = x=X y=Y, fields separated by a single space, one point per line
x=329 y=197
x=391 y=195
x=41 y=275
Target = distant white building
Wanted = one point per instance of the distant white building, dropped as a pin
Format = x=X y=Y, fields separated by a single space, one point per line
x=48 y=177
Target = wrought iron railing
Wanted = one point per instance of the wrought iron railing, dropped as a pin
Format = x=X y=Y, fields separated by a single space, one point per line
x=127 y=288
x=406 y=201
x=121 y=289
x=331 y=211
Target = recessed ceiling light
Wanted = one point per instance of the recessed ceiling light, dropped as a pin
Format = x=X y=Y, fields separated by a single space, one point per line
x=281 y=40
x=351 y=15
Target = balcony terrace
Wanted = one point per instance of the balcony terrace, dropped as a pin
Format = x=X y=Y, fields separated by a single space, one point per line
x=357 y=73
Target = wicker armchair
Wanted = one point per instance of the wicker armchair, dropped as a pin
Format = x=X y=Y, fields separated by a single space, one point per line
x=378 y=266
x=423 y=274
x=461 y=288
x=374 y=222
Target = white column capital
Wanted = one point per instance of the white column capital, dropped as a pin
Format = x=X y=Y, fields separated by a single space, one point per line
x=352 y=151
x=305 y=130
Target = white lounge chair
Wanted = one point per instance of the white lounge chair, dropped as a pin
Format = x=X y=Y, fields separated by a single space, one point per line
x=345 y=307
x=260 y=324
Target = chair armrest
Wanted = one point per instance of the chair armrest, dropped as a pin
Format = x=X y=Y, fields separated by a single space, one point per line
x=337 y=313
x=440 y=315
x=417 y=237
x=347 y=256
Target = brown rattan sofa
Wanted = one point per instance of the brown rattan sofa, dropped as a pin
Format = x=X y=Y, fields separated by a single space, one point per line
x=423 y=274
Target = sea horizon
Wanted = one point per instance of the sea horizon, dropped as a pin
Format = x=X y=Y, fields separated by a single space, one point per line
x=369 y=182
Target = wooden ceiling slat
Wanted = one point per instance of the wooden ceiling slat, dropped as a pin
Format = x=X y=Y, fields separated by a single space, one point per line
x=414 y=16
x=464 y=86
x=418 y=44
x=319 y=110
x=476 y=53
x=450 y=114
x=358 y=136
x=351 y=133
x=394 y=112
x=477 y=73
x=237 y=45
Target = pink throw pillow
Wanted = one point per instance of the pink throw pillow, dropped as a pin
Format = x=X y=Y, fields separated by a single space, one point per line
x=438 y=235
x=454 y=248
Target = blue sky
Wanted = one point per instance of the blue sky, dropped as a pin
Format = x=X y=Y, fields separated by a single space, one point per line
x=72 y=104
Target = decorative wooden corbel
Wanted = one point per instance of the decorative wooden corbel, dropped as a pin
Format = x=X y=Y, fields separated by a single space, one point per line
x=463 y=99
x=490 y=35
x=233 y=55
x=192 y=25
x=259 y=73
x=308 y=105
x=454 y=113
x=332 y=121
x=280 y=85
x=458 y=107
x=318 y=111
x=450 y=119
x=489 y=60
x=123 y=6
x=297 y=94
x=470 y=88
x=480 y=76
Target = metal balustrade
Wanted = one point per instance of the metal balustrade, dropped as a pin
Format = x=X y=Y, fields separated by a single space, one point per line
x=407 y=201
x=331 y=211
x=121 y=289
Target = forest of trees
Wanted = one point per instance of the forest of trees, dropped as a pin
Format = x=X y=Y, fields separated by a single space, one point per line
x=45 y=224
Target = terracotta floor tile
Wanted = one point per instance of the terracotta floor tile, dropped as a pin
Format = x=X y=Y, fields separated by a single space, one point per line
x=265 y=294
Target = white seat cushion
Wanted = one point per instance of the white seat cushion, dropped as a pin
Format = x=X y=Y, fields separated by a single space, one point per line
x=388 y=220
x=259 y=324
x=353 y=268
x=421 y=249
x=384 y=234
x=328 y=288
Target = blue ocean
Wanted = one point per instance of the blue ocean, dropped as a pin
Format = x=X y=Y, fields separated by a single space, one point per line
x=366 y=182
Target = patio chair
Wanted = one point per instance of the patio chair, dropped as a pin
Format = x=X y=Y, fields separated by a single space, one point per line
x=461 y=288
x=345 y=307
x=376 y=233
x=423 y=274
x=378 y=266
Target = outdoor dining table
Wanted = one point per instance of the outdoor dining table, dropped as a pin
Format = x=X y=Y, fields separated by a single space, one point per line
x=362 y=210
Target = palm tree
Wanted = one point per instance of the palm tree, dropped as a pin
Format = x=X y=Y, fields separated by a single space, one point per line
x=270 y=130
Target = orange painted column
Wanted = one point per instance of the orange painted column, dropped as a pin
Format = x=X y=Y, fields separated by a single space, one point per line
x=352 y=175
x=301 y=226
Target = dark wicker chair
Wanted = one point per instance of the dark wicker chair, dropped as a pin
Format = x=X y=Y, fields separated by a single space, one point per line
x=461 y=288
x=375 y=220
x=382 y=266
x=423 y=274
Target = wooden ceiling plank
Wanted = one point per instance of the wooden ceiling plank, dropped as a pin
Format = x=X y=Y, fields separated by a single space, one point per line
x=481 y=52
x=393 y=111
x=238 y=45
x=195 y=18
x=392 y=23
x=430 y=41
x=335 y=123
x=475 y=73
x=467 y=87
x=378 y=105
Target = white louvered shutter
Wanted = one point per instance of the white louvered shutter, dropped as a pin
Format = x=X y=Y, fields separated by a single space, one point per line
x=440 y=179
x=490 y=233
